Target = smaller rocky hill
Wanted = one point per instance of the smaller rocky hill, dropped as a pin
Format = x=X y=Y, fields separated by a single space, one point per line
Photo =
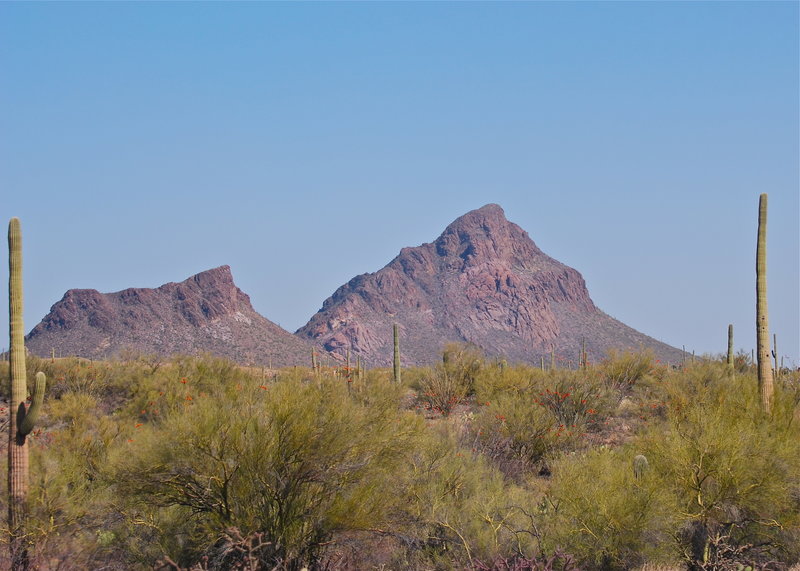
x=205 y=313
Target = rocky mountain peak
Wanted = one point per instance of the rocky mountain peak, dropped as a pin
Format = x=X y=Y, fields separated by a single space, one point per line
x=485 y=236
x=483 y=281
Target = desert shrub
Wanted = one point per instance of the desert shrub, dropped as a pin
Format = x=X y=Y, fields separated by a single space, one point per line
x=441 y=391
x=558 y=561
x=742 y=362
x=70 y=491
x=175 y=385
x=622 y=370
x=576 y=398
x=523 y=426
x=604 y=516
x=464 y=362
x=492 y=381
x=378 y=392
x=519 y=434
x=734 y=473
x=296 y=462
x=456 y=508
x=105 y=380
x=448 y=384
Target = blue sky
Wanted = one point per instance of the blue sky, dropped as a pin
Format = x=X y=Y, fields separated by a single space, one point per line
x=305 y=143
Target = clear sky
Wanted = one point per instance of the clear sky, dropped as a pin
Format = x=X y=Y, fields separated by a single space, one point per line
x=306 y=143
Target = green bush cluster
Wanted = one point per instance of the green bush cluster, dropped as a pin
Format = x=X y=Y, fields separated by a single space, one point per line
x=194 y=462
x=447 y=385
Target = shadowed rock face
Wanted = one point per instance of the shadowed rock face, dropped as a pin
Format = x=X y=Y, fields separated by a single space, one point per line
x=206 y=312
x=482 y=281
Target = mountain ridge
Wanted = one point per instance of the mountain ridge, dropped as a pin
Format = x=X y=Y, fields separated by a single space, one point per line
x=205 y=312
x=482 y=281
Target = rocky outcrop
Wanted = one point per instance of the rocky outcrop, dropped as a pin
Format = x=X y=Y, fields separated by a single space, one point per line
x=205 y=313
x=483 y=281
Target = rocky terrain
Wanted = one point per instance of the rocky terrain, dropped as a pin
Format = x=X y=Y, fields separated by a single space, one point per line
x=205 y=313
x=483 y=281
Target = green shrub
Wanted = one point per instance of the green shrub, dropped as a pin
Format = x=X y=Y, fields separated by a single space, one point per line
x=492 y=381
x=734 y=474
x=296 y=462
x=441 y=391
x=457 y=508
x=622 y=370
x=305 y=469
x=447 y=385
x=71 y=494
x=604 y=516
x=576 y=398
x=519 y=434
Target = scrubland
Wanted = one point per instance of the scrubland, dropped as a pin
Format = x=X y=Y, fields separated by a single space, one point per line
x=196 y=463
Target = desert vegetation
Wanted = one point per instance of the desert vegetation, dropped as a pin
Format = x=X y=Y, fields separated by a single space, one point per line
x=196 y=463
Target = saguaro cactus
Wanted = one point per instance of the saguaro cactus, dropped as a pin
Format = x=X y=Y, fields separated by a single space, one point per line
x=730 y=349
x=396 y=354
x=584 y=356
x=22 y=419
x=762 y=319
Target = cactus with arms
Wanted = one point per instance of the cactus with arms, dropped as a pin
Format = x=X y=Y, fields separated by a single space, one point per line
x=22 y=419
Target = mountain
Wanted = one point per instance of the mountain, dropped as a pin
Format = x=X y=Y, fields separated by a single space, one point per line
x=483 y=281
x=206 y=312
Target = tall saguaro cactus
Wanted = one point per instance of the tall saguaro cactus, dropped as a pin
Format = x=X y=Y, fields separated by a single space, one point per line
x=762 y=318
x=396 y=354
x=22 y=419
x=730 y=349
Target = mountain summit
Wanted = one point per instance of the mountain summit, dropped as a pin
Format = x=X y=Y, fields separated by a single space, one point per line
x=206 y=312
x=483 y=281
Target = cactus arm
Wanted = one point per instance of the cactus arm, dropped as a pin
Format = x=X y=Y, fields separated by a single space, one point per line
x=29 y=418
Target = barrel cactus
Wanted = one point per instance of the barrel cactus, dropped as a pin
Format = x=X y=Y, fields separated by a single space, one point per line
x=640 y=466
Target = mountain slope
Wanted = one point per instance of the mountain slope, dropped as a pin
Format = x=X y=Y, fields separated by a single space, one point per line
x=206 y=312
x=482 y=281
